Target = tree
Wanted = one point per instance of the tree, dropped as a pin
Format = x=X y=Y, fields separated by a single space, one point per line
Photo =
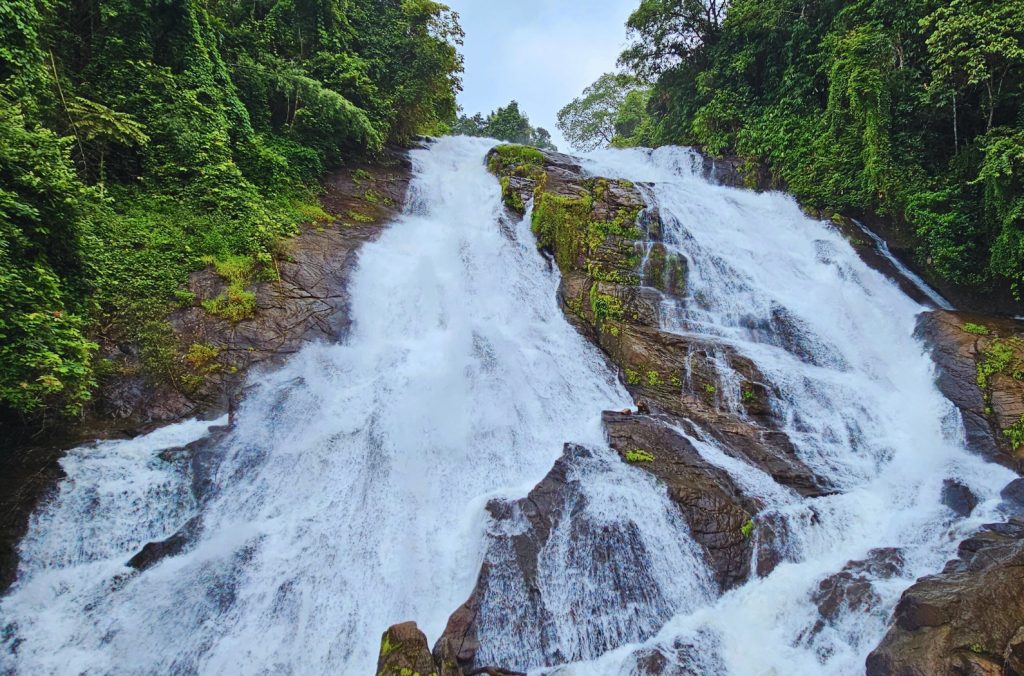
x=977 y=42
x=505 y=124
x=667 y=32
x=588 y=121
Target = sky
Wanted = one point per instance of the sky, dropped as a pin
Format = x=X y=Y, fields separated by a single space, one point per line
x=542 y=53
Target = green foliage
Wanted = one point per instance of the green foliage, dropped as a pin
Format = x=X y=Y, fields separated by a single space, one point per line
x=747 y=529
x=639 y=455
x=589 y=121
x=505 y=124
x=999 y=356
x=1015 y=434
x=910 y=110
x=632 y=377
x=138 y=141
x=976 y=329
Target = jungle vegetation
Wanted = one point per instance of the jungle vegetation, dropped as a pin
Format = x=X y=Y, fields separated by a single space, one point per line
x=142 y=139
x=912 y=111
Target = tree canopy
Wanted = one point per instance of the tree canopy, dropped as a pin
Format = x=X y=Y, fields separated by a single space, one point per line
x=505 y=124
x=140 y=139
x=913 y=111
x=593 y=121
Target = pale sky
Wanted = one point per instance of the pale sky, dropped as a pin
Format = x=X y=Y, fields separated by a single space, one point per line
x=542 y=53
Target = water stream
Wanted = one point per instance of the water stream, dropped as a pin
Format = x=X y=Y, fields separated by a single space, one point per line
x=350 y=494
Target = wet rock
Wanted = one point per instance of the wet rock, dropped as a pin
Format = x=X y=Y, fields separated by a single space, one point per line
x=959 y=342
x=965 y=620
x=514 y=597
x=1013 y=493
x=711 y=503
x=958 y=497
x=680 y=376
x=155 y=552
x=852 y=589
x=404 y=651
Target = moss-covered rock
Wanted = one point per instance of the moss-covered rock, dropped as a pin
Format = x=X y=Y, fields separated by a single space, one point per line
x=980 y=364
x=404 y=651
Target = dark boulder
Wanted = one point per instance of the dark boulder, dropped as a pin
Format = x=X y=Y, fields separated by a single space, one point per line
x=965 y=620
x=958 y=497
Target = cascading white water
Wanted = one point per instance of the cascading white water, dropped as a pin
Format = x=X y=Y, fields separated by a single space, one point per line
x=856 y=395
x=350 y=494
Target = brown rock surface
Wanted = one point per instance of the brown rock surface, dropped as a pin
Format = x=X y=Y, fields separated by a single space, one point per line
x=404 y=652
x=713 y=506
x=968 y=619
x=960 y=344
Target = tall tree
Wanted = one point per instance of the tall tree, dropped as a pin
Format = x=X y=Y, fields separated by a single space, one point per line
x=588 y=121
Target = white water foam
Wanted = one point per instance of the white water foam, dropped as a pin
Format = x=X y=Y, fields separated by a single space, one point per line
x=351 y=493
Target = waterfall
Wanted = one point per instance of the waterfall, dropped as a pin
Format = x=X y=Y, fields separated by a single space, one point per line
x=351 y=493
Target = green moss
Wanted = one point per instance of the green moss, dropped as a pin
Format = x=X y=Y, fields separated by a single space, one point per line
x=515 y=159
x=653 y=379
x=372 y=196
x=747 y=529
x=1015 y=434
x=560 y=225
x=709 y=388
x=359 y=217
x=360 y=176
x=632 y=377
x=235 y=304
x=605 y=306
x=201 y=356
x=677 y=381
x=976 y=329
x=639 y=455
x=748 y=396
x=511 y=197
x=997 y=357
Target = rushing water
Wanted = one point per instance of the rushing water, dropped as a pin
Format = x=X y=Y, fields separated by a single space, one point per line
x=350 y=494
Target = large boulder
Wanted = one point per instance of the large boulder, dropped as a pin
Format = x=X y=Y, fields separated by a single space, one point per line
x=980 y=368
x=720 y=516
x=968 y=619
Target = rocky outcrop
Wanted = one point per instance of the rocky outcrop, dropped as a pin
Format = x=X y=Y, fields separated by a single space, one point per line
x=404 y=652
x=303 y=298
x=554 y=520
x=205 y=357
x=968 y=619
x=615 y=273
x=852 y=588
x=980 y=368
x=720 y=516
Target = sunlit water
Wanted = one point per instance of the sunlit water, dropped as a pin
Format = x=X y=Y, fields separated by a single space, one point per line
x=351 y=493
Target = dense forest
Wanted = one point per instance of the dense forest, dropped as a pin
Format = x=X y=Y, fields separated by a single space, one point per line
x=140 y=140
x=912 y=111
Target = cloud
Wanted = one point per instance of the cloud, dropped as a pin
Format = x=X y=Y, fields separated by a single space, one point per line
x=541 y=53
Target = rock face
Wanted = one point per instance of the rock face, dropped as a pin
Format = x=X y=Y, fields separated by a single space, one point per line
x=404 y=652
x=308 y=302
x=968 y=619
x=713 y=506
x=615 y=272
x=851 y=589
x=980 y=368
